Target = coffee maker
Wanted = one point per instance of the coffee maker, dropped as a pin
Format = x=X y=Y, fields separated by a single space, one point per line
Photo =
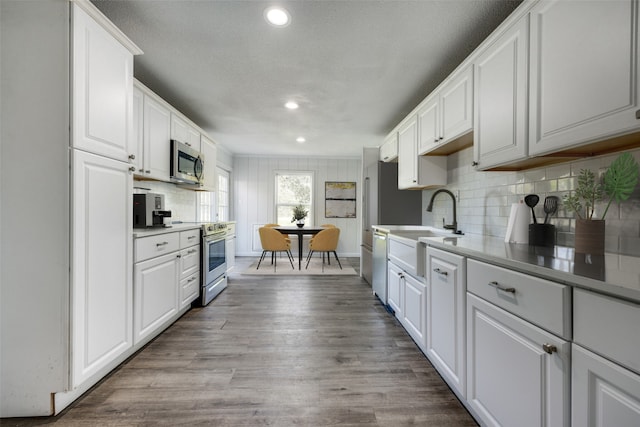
x=148 y=210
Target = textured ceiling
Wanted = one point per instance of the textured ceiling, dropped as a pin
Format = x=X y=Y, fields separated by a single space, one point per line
x=356 y=67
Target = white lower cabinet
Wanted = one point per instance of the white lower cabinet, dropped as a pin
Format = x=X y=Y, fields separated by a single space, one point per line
x=446 y=278
x=394 y=291
x=606 y=362
x=414 y=294
x=518 y=374
x=156 y=294
x=101 y=286
x=603 y=393
x=166 y=280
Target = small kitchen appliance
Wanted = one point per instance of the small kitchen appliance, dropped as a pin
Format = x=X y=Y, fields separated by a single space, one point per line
x=149 y=211
x=187 y=164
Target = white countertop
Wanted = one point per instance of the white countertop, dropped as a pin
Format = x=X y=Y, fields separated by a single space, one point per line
x=153 y=231
x=613 y=274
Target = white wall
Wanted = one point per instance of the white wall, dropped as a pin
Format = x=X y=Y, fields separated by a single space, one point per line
x=35 y=204
x=254 y=201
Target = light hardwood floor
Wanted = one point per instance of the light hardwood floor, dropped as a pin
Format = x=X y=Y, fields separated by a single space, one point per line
x=278 y=351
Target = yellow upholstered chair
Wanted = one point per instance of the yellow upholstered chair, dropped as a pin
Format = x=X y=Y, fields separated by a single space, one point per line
x=277 y=225
x=273 y=241
x=325 y=241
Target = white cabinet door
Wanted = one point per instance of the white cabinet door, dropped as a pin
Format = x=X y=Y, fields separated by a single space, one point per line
x=395 y=277
x=230 y=251
x=500 y=85
x=603 y=394
x=512 y=379
x=428 y=122
x=209 y=150
x=138 y=131
x=157 y=139
x=446 y=316
x=101 y=288
x=408 y=155
x=102 y=89
x=415 y=172
x=456 y=106
x=583 y=72
x=414 y=303
x=189 y=261
x=389 y=149
x=156 y=293
x=182 y=131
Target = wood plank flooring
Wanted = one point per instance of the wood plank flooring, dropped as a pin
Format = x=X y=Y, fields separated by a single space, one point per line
x=277 y=351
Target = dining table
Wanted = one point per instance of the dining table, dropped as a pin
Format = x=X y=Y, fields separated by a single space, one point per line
x=299 y=231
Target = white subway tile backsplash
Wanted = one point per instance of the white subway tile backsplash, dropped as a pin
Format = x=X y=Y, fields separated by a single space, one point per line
x=486 y=197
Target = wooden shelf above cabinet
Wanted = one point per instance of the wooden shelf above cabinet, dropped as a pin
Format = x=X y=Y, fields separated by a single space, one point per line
x=459 y=144
x=612 y=145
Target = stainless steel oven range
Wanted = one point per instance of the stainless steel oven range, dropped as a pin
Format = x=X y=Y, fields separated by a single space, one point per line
x=214 y=261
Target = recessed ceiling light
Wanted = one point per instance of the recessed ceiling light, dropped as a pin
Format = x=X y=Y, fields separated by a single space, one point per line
x=277 y=16
x=300 y=139
x=291 y=105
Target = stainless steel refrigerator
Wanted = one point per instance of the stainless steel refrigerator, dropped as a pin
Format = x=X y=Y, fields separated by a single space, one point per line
x=383 y=204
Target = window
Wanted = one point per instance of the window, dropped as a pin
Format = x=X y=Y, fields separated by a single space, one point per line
x=292 y=189
x=223 y=195
x=206 y=203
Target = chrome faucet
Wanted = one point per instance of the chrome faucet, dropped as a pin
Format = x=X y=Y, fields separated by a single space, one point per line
x=454 y=226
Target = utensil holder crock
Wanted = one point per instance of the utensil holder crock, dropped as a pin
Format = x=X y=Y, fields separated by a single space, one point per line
x=542 y=235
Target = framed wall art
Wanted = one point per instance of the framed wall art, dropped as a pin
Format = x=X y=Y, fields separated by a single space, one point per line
x=339 y=199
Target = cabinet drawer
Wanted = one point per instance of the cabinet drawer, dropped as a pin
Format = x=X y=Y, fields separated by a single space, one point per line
x=189 y=238
x=608 y=326
x=153 y=246
x=404 y=253
x=189 y=289
x=542 y=302
x=189 y=261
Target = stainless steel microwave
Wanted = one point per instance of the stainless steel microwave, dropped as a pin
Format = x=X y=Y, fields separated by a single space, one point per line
x=187 y=164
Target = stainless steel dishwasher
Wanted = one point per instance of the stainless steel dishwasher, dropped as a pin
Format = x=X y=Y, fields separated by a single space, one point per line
x=379 y=273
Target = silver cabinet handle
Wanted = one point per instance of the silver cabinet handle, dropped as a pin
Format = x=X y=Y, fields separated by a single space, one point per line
x=502 y=288
x=443 y=273
x=191 y=237
x=192 y=251
x=191 y=280
x=132 y=156
x=147 y=171
x=549 y=348
x=178 y=256
x=161 y=244
x=132 y=169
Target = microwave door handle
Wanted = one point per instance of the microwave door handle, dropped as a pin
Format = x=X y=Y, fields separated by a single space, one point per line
x=198 y=168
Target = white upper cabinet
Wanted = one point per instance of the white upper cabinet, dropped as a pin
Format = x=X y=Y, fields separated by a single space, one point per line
x=447 y=115
x=429 y=128
x=416 y=171
x=102 y=88
x=389 y=149
x=500 y=96
x=138 y=133
x=183 y=131
x=157 y=138
x=209 y=151
x=583 y=73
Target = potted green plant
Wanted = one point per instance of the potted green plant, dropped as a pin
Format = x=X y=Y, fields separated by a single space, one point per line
x=619 y=182
x=299 y=214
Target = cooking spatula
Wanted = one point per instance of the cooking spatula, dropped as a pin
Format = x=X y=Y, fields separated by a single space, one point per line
x=550 y=207
x=532 y=200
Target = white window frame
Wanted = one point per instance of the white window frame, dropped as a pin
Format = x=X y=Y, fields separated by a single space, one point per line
x=223 y=210
x=310 y=217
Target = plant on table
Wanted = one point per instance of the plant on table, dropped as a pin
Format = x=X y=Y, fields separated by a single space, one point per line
x=299 y=213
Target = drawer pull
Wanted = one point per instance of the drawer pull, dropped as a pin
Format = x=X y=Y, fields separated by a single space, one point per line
x=502 y=288
x=549 y=348
x=443 y=273
x=161 y=244
x=191 y=237
x=178 y=256
x=191 y=280
x=192 y=251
